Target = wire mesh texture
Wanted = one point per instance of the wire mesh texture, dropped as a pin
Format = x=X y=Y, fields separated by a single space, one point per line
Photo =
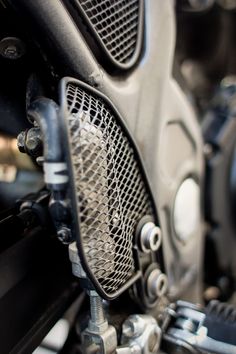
x=112 y=196
x=116 y=23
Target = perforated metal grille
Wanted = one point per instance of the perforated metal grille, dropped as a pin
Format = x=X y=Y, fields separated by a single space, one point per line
x=116 y=22
x=111 y=194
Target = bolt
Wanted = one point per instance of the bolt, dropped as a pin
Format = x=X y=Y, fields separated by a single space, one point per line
x=97 y=322
x=96 y=308
x=12 y=48
x=11 y=52
x=21 y=142
x=40 y=160
x=157 y=283
x=64 y=234
x=34 y=142
x=150 y=238
x=133 y=326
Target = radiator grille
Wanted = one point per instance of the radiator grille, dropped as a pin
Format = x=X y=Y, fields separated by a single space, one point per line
x=111 y=194
x=116 y=24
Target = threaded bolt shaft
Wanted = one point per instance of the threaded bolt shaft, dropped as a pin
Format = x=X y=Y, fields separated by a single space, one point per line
x=96 y=309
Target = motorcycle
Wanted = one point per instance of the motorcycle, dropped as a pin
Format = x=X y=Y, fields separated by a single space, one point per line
x=117 y=210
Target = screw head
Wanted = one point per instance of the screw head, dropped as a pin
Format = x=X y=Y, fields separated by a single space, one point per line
x=64 y=234
x=12 y=48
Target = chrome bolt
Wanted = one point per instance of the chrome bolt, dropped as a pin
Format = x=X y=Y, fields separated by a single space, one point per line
x=133 y=326
x=32 y=143
x=157 y=284
x=150 y=238
x=141 y=333
x=97 y=323
x=98 y=331
x=40 y=160
x=64 y=234
x=96 y=308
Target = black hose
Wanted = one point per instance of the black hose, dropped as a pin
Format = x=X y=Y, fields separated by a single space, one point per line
x=45 y=112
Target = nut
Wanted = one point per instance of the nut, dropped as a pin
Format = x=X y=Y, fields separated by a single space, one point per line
x=77 y=268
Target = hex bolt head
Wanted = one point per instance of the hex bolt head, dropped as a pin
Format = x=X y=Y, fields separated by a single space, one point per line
x=133 y=326
x=33 y=143
x=21 y=141
x=150 y=238
x=157 y=284
x=64 y=235
x=77 y=268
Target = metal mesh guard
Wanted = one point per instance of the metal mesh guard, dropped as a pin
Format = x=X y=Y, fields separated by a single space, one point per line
x=116 y=23
x=111 y=194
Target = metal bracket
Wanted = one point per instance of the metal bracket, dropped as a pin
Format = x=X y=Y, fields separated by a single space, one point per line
x=102 y=343
x=140 y=335
x=188 y=329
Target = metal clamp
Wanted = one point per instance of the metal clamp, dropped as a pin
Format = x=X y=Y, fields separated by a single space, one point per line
x=102 y=343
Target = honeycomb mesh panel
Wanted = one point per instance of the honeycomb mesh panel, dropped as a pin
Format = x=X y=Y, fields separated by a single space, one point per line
x=116 y=23
x=111 y=193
